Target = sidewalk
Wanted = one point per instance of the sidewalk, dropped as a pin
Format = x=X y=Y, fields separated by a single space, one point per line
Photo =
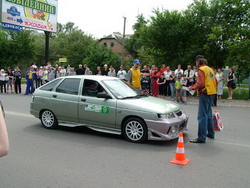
x=220 y=102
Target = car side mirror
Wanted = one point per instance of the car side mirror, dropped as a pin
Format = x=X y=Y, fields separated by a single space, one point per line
x=103 y=95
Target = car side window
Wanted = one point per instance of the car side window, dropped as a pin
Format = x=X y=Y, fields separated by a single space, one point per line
x=91 y=88
x=69 y=86
x=49 y=86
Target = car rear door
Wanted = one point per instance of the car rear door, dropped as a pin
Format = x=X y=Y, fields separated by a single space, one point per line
x=64 y=100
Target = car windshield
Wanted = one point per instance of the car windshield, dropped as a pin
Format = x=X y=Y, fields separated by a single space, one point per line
x=121 y=90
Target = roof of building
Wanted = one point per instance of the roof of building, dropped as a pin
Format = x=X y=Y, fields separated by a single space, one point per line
x=115 y=35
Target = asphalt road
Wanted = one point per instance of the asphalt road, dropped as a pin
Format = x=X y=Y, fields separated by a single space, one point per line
x=82 y=158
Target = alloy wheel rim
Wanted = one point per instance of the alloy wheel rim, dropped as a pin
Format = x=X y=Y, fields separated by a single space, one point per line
x=134 y=130
x=48 y=118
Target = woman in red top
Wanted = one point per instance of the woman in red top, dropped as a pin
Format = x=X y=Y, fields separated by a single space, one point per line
x=154 y=76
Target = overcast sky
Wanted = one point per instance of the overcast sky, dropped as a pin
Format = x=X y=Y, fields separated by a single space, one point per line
x=104 y=17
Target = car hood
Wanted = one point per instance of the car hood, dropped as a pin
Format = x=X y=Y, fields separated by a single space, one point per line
x=148 y=104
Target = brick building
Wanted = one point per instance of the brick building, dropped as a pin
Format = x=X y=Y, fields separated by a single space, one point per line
x=114 y=42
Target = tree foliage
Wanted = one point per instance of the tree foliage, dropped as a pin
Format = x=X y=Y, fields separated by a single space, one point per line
x=24 y=48
x=17 y=48
x=218 y=29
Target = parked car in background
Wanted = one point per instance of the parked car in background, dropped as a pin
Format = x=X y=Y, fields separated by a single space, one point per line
x=109 y=105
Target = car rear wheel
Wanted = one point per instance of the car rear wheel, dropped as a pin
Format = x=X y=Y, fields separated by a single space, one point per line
x=48 y=119
x=135 y=130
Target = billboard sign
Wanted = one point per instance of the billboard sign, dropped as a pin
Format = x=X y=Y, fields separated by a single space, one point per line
x=62 y=60
x=35 y=14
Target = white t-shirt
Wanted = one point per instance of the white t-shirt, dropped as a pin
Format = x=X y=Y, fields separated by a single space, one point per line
x=121 y=74
x=62 y=72
x=2 y=76
x=87 y=71
x=167 y=74
x=176 y=72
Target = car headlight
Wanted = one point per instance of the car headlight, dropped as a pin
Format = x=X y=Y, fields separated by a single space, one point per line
x=167 y=115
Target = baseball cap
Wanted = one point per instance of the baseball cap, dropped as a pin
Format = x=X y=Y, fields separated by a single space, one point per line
x=136 y=61
x=199 y=56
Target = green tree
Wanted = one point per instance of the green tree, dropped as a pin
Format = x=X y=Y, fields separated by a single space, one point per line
x=16 y=48
x=162 y=38
x=68 y=42
x=4 y=46
x=218 y=29
x=98 y=55
x=134 y=43
x=39 y=48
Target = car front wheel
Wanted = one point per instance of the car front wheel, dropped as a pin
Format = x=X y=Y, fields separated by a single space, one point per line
x=135 y=130
x=48 y=119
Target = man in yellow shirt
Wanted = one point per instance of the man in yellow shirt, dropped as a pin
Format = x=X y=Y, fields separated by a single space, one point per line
x=207 y=87
x=134 y=75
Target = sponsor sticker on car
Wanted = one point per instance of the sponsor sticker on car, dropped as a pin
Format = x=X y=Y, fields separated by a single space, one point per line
x=97 y=108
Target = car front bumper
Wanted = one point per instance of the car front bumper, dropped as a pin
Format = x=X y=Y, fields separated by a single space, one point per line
x=161 y=130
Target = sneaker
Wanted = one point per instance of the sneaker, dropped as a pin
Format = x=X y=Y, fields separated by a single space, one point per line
x=185 y=102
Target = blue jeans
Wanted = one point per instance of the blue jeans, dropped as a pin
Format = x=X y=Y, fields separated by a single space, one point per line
x=172 y=85
x=205 y=118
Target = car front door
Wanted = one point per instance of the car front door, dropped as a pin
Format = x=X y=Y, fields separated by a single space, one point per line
x=98 y=112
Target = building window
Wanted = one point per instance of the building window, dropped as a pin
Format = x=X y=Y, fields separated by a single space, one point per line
x=105 y=44
x=112 y=44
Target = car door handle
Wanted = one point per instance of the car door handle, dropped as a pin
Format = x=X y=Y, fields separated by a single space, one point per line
x=83 y=100
x=54 y=96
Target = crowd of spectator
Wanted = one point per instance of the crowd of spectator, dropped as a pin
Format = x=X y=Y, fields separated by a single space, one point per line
x=166 y=82
x=156 y=82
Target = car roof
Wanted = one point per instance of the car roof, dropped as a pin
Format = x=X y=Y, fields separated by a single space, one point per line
x=94 y=77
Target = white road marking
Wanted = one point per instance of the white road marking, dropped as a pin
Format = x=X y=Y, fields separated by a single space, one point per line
x=17 y=114
x=234 y=144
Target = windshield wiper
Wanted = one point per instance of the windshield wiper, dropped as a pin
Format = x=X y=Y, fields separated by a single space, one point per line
x=130 y=97
x=135 y=97
x=142 y=95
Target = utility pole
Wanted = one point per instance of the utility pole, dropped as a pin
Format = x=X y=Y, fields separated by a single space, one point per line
x=123 y=41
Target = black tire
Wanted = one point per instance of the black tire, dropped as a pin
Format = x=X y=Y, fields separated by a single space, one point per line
x=135 y=130
x=48 y=119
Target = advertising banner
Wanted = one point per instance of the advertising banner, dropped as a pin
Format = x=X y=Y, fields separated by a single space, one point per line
x=62 y=60
x=35 y=14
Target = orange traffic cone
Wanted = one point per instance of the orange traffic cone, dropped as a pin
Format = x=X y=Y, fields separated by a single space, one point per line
x=180 y=152
x=218 y=125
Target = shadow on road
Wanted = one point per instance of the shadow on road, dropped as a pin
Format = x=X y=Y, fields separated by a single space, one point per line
x=86 y=135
